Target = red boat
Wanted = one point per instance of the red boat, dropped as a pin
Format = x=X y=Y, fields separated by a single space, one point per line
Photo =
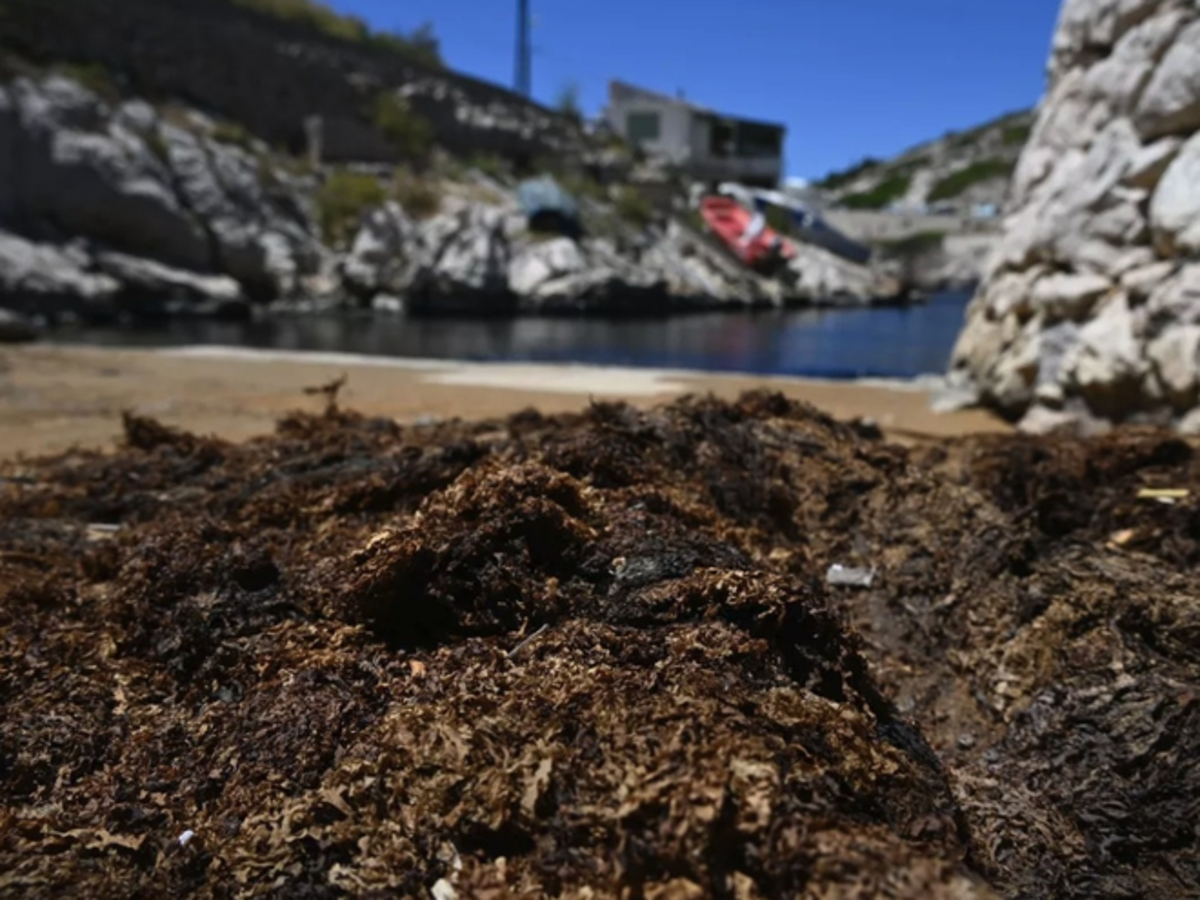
x=729 y=221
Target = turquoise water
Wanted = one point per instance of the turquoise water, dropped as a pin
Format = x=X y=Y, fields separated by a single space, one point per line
x=876 y=343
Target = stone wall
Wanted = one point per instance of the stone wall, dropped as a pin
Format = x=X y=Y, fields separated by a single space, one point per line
x=269 y=75
x=1090 y=308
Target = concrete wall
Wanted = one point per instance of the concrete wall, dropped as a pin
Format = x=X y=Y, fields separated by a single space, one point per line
x=870 y=225
x=269 y=74
x=675 y=126
x=684 y=138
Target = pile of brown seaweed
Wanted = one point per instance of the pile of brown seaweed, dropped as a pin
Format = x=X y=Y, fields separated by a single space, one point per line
x=595 y=656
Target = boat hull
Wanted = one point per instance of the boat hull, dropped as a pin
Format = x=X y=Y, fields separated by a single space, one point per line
x=729 y=221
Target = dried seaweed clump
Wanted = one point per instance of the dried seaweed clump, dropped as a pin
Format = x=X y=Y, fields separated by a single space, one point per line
x=594 y=656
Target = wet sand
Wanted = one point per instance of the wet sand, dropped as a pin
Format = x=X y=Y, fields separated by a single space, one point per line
x=53 y=398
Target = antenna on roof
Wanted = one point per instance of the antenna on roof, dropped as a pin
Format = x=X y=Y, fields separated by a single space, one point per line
x=524 y=67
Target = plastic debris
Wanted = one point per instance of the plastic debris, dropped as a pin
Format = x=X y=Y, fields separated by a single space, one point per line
x=1163 y=495
x=186 y=837
x=847 y=576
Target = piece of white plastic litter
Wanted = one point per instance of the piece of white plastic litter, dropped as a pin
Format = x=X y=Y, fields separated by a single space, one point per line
x=846 y=576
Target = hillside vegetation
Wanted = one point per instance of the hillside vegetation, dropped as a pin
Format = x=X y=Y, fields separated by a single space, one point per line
x=421 y=44
x=960 y=168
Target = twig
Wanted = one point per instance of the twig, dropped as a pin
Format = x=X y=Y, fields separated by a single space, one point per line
x=517 y=649
x=330 y=391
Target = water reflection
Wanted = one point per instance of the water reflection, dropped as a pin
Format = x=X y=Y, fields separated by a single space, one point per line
x=836 y=344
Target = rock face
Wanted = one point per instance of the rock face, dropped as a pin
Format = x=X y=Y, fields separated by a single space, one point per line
x=186 y=214
x=957 y=171
x=41 y=280
x=1091 y=296
x=271 y=74
x=110 y=208
x=479 y=260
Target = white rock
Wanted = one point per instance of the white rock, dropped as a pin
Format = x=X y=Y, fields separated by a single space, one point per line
x=1170 y=103
x=1139 y=282
x=379 y=253
x=1107 y=366
x=541 y=262
x=1149 y=163
x=1104 y=210
x=1012 y=382
x=154 y=278
x=1067 y=296
x=1045 y=420
x=1118 y=81
x=386 y=303
x=1176 y=358
x=42 y=280
x=1083 y=24
x=977 y=348
x=1175 y=209
x=1176 y=300
x=1190 y=423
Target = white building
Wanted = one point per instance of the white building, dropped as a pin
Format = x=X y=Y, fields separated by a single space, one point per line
x=709 y=146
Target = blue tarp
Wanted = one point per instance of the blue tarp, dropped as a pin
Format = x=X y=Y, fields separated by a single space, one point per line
x=543 y=196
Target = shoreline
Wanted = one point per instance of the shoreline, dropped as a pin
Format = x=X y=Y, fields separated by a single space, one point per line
x=57 y=396
x=925 y=383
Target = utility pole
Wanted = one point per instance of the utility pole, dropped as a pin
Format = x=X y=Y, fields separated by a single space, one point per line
x=524 y=75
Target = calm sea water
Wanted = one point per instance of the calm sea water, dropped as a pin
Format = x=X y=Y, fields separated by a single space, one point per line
x=874 y=343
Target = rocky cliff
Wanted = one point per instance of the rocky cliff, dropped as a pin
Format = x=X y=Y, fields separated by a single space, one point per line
x=958 y=170
x=1090 y=310
x=120 y=207
x=271 y=74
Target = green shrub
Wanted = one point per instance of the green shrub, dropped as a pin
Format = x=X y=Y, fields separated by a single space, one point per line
x=887 y=191
x=420 y=197
x=232 y=133
x=1016 y=135
x=95 y=78
x=780 y=219
x=314 y=15
x=913 y=244
x=577 y=184
x=421 y=45
x=568 y=103
x=835 y=180
x=633 y=207
x=956 y=182
x=407 y=131
x=910 y=166
x=493 y=166
x=158 y=146
x=342 y=200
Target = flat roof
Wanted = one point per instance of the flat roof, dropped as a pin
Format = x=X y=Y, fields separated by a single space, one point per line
x=616 y=86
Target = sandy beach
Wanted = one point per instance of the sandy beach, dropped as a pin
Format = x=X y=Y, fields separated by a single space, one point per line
x=55 y=397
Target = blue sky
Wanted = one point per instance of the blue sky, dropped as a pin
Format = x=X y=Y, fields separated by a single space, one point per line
x=849 y=78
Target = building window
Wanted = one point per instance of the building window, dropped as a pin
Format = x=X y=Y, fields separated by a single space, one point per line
x=758 y=141
x=720 y=139
x=642 y=126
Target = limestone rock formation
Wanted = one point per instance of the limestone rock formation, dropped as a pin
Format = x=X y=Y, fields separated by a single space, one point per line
x=159 y=189
x=1090 y=298
x=47 y=281
x=116 y=207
